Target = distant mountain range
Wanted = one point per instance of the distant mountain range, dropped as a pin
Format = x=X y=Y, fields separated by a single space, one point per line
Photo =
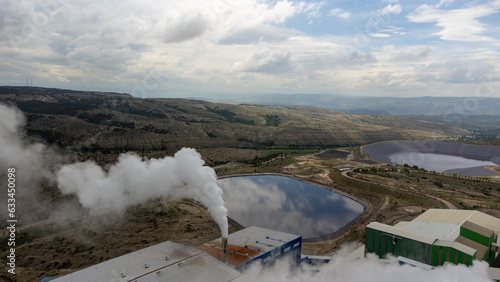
x=469 y=122
x=443 y=106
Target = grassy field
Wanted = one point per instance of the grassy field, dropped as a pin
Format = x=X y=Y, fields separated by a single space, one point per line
x=292 y=152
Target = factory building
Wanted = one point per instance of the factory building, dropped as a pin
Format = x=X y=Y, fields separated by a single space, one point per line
x=256 y=244
x=438 y=236
x=167 y=261
x=171 y=261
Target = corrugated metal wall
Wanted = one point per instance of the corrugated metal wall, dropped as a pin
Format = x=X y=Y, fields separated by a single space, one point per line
x=292 y=249
x=383 y=243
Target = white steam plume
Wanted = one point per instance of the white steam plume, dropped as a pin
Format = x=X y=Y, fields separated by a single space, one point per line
x=27 y=160
x=14 y=151
x=342 y=269
x=133 y=181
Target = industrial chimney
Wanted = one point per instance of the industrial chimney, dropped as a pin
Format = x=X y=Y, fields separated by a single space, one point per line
x=224 y=250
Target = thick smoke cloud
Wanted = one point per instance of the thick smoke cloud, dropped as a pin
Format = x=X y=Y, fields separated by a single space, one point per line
x=27 y=160
x=130 y=181
x=342 y=269
x=14 y=150
x=134 y=181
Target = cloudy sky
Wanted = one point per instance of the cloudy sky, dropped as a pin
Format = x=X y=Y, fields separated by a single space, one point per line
x=169 y=48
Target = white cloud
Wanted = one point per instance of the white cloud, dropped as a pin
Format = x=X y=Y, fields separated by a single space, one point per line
x=343 y=14
x=379 y=35
x=391 y=9
x=341 y=268
x=190 y=27
x=228 y=45
x=462 y=71
x=313 y=9
x=95 y=39
x=263 y=33
x=266 y=61
x=301 y=56
x=457 y=24
x=412 y=53
x=444 y=3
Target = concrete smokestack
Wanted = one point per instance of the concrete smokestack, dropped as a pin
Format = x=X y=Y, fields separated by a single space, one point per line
x=224 y=250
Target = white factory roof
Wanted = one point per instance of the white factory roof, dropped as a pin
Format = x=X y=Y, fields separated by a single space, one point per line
x=357 y=254
x=445 y=225
x=494 y=273
x=265 y=239
x=460 y=217
x=401 y=232
x=167 y=261
x=441 y=231
x=457 y=246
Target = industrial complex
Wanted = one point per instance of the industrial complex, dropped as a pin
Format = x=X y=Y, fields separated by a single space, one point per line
x=437 y=237
x=256 y=244
x=434 y=238
x=170 y=261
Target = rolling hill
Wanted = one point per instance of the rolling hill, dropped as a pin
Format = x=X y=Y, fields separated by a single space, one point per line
x=114 y=121
x=378 y=105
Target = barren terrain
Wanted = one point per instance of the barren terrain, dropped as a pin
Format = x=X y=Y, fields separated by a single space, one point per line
x=56 y=236
x=54 y=247
x=113 y=123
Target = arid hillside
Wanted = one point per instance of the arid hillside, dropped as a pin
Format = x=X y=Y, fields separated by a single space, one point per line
x=111 y=121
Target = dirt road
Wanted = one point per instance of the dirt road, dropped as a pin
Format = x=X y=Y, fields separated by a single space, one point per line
x=448 y=204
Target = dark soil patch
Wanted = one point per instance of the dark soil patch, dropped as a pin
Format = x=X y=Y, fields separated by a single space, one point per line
x=332 y=154
x=367 y=161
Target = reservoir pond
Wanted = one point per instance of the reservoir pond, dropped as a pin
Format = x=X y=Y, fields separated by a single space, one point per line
x=288 y=205
x=435 y=162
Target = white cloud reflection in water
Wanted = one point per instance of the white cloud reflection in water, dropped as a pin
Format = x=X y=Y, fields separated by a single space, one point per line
x=436 y=162
x=288 y=205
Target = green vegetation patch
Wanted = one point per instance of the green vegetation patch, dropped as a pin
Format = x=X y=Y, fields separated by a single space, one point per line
x=230 y=116
x=272 y=120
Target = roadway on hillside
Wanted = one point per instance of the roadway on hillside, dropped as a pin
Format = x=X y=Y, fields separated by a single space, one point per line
x=448 y=204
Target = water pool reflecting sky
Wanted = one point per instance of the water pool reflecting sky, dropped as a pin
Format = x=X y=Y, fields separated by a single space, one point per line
x=286 y=204
x=436 y=162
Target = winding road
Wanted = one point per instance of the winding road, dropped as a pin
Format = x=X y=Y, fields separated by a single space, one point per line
x=448 y=204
